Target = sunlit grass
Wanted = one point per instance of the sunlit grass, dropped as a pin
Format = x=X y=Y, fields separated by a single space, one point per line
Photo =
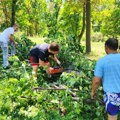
x=97 y=50
x=37 y=39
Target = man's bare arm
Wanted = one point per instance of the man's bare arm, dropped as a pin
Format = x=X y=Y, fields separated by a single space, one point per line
x=11 y=37
x=55 y=59
x=95 y=84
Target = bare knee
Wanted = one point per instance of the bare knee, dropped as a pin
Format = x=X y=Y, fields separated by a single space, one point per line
x=110 y=117
x=34 y=70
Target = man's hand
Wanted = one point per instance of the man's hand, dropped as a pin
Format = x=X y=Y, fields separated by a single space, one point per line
x=15 y=43
x=93 y=95
x=95 y=84
x=58 y=62
x=56 y=59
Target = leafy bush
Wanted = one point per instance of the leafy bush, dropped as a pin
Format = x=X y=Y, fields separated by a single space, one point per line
x=23 y=98
x=23 y=47
x=97 y=37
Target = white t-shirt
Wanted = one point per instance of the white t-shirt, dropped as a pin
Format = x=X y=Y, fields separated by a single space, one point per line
x=4 y=37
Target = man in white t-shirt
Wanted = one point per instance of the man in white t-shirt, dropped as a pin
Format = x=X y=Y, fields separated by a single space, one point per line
x=6 y=37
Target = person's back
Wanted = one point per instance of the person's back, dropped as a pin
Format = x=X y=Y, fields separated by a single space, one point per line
x=107 y=70
x=40 y=48
x=41 y=51
x=110 y=64
x=39 y=56
x=4 y=37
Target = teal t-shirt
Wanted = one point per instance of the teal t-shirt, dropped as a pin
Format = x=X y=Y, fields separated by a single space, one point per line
x=108 y=68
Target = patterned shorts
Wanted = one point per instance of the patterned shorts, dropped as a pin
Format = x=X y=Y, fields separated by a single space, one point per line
x=112 y=102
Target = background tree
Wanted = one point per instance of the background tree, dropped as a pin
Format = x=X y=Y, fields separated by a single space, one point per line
x=52 y=15
x=31 y=17
x=13 y=12
x=111 y=26
x=62 y=19
x=5 y=15
x=88 y=25
x=101 y=11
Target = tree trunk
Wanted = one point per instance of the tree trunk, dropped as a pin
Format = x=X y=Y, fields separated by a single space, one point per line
x=83 y=27
x=57 y=8
x=13 y=12
x=6 y=16
x=36 y=28
x=88 y=15
x=5 y=12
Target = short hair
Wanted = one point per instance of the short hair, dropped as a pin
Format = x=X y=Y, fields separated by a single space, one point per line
x=14 y=25
x=112 y=43
x=54 y=47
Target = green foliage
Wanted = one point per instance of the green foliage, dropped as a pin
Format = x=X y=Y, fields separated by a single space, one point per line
x=62 y=21
x=105 y=17
x=101 y=14
x=52 y=15
x=31 y=16
x=111 y=26
x=68 y=47
x=56 y=18
x=97 y=37
x=53 y=19
x=5 y=11
x=24 y=44
x=19 y=99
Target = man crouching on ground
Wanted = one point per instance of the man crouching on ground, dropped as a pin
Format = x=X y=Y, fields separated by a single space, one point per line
x=39 y=56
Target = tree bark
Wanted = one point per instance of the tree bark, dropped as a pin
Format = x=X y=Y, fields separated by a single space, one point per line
x=13 y=12
x=5 y=12
x=83 y=27
x=88 y=26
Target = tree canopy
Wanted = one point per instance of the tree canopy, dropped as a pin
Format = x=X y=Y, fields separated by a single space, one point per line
x=62 y=18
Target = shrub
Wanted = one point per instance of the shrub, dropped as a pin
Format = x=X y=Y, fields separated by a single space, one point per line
x=97 y=37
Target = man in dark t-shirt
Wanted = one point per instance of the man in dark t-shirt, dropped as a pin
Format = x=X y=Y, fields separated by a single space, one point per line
x=39 y=56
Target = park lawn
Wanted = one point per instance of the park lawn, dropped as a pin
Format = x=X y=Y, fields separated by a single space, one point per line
x=97 y=50
x=37 y=39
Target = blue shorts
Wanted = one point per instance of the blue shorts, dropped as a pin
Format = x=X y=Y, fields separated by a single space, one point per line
x=112 y=102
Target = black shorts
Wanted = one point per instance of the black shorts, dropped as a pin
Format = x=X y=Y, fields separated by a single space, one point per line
x=34 y=61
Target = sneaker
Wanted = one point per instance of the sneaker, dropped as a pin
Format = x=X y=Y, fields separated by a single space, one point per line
x=8 y=67
x=49 y=76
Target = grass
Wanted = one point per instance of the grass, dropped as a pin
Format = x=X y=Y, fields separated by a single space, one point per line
x=97 y=50
x=37 y=39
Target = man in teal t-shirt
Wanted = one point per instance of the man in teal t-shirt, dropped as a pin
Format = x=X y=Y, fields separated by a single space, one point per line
x=107 y=71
